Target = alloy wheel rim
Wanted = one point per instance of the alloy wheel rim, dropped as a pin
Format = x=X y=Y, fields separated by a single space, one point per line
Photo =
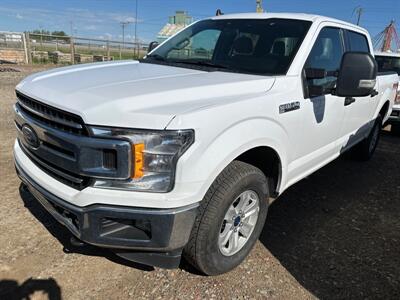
x=239 y=223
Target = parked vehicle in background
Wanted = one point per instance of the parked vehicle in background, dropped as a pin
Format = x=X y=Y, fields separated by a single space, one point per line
x=390 y=62
x=183 y=151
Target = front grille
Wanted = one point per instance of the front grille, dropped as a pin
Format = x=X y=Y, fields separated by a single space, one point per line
x=73 y=180
x=51 y=116
x=59 y=143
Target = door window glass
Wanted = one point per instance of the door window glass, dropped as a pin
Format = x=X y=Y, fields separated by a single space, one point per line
x=326 y=54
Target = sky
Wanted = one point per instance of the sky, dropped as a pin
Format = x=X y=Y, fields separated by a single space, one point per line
x=101 y=18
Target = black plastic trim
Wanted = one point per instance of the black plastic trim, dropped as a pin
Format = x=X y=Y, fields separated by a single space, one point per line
x=170 y=227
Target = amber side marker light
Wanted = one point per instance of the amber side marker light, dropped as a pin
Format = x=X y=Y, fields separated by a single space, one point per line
x=138 y=159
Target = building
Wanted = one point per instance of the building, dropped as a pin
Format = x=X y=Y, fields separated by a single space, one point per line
x=10 y=37
x=180 y=20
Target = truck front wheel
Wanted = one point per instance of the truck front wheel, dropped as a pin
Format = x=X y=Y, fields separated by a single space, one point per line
x=230 y=219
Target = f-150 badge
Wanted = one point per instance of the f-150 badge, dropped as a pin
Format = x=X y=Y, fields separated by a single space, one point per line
x=284 y=108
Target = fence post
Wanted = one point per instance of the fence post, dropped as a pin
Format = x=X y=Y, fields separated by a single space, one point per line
x=120 y=53
x=28 y=54
x=72 y=50
x=108 y=51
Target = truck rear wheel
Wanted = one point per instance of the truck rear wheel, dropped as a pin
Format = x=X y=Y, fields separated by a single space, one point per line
x=366 y=149
x=230 y=219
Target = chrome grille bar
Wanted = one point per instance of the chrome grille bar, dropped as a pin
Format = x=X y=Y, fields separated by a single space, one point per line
x=54 y=117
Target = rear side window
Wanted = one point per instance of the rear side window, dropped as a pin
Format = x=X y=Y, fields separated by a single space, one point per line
x=358 y=42
x=388 y=64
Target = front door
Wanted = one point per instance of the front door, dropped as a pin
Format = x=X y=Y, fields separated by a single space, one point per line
x=324 y=113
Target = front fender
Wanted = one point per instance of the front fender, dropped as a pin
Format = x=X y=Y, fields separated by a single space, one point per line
x=210 y=155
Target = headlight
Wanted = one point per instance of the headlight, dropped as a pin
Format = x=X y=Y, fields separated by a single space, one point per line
x=154 y=157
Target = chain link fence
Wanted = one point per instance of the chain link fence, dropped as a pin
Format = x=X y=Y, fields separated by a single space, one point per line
x=43 y=48
x=64 y=49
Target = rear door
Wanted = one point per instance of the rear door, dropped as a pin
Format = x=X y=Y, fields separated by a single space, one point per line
x=358 y=111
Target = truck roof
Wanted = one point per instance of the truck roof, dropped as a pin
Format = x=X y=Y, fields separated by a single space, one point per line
x=295 y=16
x=388 y=54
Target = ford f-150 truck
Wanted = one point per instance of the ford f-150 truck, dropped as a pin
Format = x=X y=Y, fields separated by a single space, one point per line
x=181 y=153
x=390 y=62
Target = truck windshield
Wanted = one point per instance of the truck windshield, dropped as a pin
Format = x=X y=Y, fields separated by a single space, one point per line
x=255 y=46
x=388 y=64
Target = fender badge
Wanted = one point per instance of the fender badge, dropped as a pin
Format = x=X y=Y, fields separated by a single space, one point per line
x=284 y=108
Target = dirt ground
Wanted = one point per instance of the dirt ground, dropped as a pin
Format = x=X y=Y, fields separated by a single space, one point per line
x=334 y=235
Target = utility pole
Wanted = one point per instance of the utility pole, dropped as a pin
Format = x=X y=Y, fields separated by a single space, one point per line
x=41 y=37
x=136 y=25
x=359 y=11
x=71 y=27
x=71 y=41
x=124 y=24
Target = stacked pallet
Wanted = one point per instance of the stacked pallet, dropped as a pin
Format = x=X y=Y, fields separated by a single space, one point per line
x=12 y=55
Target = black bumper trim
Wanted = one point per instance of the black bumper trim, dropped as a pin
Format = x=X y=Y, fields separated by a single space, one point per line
x=170 y=228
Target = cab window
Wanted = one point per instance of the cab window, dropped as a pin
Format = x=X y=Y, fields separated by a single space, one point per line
x=326 y=54
x=358 y=42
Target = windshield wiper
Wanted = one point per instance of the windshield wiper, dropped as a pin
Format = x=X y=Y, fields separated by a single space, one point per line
x=156 y=57
x=200 y=63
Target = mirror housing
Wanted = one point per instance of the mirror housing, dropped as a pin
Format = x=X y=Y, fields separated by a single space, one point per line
x=357 y=75
x=153 y=45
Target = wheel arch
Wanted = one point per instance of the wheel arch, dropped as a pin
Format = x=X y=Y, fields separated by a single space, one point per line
x=268 y=161
x=384 y=111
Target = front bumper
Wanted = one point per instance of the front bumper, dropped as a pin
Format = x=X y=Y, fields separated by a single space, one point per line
x=151 y=236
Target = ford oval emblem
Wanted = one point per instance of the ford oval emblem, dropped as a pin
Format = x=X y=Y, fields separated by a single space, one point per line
x=30 y=136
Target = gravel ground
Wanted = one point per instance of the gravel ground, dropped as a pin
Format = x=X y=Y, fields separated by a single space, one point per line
x=334 y=235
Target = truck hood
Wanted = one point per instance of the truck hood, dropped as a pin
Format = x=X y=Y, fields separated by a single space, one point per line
x=137 y=95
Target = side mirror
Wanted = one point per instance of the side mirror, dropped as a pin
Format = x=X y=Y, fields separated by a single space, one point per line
x=152 y=46
x=357 y=75
x=182 y=44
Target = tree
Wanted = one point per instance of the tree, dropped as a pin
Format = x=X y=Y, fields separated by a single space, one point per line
x=41 y=31
x=59 y=33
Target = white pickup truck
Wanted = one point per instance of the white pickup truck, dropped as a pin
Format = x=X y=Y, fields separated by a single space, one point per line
x=183 y=151
x=390 y=62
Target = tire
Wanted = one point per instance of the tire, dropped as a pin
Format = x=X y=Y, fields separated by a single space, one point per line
x=237 y=184
x=366 y=148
